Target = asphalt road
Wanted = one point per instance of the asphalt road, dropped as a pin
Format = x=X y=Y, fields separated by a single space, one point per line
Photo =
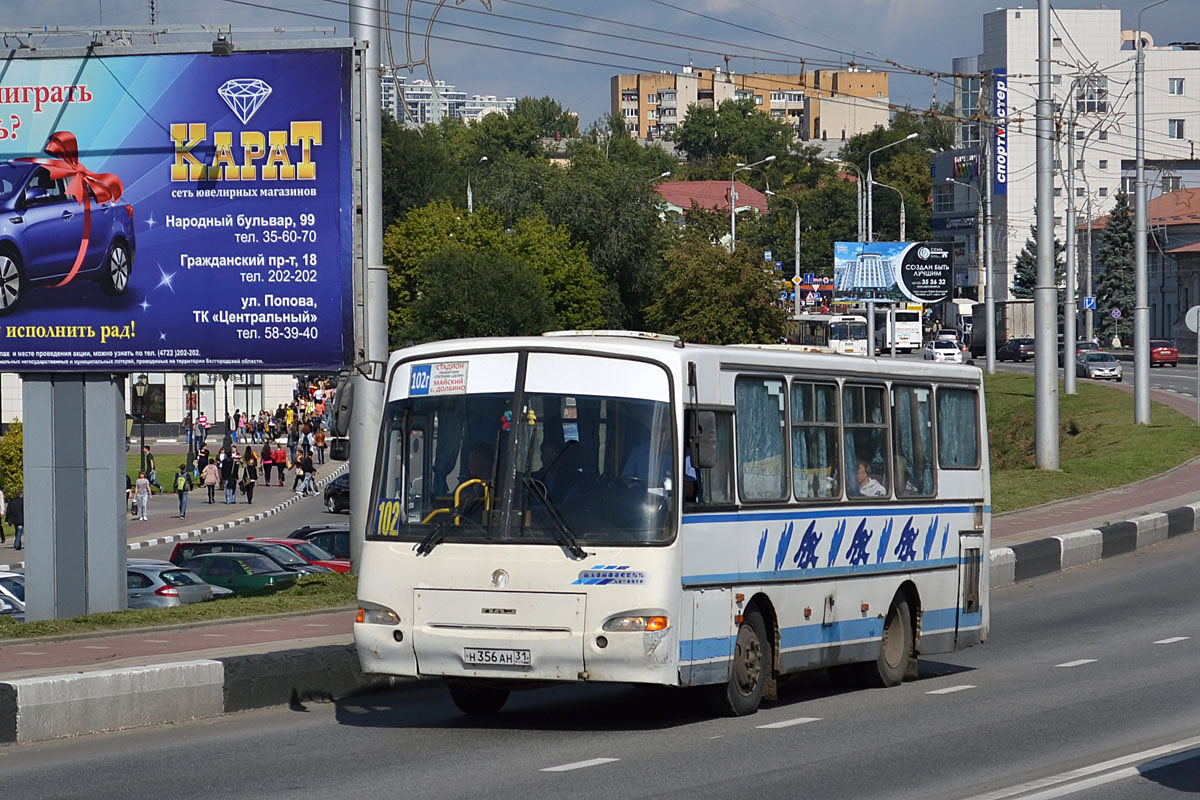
x=1088 y=685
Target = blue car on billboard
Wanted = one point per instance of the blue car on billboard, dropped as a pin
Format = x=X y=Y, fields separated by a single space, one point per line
x=48 y=236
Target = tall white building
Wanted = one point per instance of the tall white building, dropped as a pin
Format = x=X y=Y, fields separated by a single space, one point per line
x=1093 y=82
x=430 y=103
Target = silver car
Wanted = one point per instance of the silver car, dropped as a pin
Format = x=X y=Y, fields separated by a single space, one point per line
x=1098 y=365
x=151 y=583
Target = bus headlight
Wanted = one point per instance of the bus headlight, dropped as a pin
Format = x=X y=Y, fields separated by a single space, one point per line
x=637 y=623
x=372 y=614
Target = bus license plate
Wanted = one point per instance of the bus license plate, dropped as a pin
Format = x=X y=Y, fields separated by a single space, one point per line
x=488 y=655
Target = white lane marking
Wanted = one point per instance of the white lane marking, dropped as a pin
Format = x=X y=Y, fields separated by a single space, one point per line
x=157 y=641
x=214 y=635
x=953 y=689
x=317 y=625
x=591 y=762
x=1083 y=773
x=95 y=647
x=30 y=653
x=266 y=630
x=1078 y=663
x=1173 y=640
x=787 y=723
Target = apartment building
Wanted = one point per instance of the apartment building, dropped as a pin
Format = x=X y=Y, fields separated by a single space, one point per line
x=1092 y=66
x=413 y=101
x=823 y=104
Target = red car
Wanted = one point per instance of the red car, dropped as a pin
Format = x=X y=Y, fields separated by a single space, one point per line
x=1163 y=352
x=311 y=553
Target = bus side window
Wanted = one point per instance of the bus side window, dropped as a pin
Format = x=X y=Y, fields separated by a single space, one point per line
x=958 y=429
x=912 y=423
x=866 y=441
x=815 y=441
x=761 y=446
x=715 y=484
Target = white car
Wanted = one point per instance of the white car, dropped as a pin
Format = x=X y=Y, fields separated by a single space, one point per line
x=943 y=350
x=12 y=594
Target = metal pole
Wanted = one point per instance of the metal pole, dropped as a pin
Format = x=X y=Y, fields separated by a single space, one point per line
x=989 y=290
x=1141 y=305
x=1069 y=303
x=1089 y=314
x=142 y=426
x=732 y=211
x=796 y=282
x=1044 y=293
x=870 y=196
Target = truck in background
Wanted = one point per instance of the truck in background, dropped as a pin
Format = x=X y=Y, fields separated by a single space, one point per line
x=1014 y=320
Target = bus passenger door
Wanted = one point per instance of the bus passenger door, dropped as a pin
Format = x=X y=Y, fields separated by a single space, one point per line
x=706 y=658
x=969 y=628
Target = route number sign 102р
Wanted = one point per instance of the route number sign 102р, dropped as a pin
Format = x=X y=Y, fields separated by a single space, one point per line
x=176 y=210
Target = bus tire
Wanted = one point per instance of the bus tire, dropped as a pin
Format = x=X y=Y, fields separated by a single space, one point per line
x=750 y=671
x=477 y=699
x=895 y=648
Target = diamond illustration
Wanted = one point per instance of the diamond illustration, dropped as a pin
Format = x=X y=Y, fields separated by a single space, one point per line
x=244 y=96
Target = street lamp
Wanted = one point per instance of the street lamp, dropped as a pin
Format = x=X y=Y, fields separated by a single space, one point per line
x=470 y=197
x=733 y=199
x=192 y=379
x=870 y=216
x=143 y=383
x=666 y=174
x=858 y=195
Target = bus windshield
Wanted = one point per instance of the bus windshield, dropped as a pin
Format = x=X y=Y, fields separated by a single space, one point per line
x=847 y=331
x=529 y=467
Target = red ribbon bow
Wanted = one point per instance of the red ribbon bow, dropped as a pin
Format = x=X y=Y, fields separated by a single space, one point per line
x=63 y=150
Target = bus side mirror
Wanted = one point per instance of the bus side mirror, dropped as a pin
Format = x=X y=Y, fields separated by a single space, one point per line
x=704 y=440
x=339 y=450
x=344 y=404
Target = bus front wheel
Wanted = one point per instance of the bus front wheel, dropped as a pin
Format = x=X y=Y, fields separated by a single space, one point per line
x=751 y=669
x=477 y=699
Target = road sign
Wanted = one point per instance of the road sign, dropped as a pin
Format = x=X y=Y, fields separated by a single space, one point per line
x=796 y=280
x=1192 y=318
x=767 y=255
x=1116 y=313
x=809 y=277
x=1089 y=304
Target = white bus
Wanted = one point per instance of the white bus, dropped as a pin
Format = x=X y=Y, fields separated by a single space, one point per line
x=624 y=507
x=902 y=326
x=828 y=333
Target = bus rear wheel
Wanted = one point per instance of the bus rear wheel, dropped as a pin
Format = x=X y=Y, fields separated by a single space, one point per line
x=477 y=699
x=895 y=649
x=750 y=672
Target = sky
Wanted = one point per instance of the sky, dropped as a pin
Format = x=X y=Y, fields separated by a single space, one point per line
x=569 y=49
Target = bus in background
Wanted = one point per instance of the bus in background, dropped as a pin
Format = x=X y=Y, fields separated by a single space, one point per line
x=901 y=325
x=613 y=506
x=845 y=334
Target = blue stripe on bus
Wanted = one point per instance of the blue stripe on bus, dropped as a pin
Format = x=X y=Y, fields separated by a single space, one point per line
x=820 y=634
x=850 y=511
x=816 y=572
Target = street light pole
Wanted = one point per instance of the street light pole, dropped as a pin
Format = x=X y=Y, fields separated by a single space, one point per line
x=143 y=383
x=192 y=379
x=870 y=181
x=733 y=199
x=1141 y=304
x=470 y=197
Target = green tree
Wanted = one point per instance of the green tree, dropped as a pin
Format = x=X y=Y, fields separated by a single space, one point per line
x=456 y=301
x=546 y=116
x=1025 y=277
x=12 y=459
x=1115 y=257
x=735 y=128
x=712 y=296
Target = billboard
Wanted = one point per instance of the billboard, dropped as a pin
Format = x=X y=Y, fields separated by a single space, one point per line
x=1000 y=149
x=901 y=272
x=176 y=211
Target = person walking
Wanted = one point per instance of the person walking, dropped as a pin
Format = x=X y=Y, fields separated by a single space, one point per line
x=264 y=458
x=226 y=467
x=141 y=490
x=16 y=518
x=305 y=467
x=211 y=475
x=319 y=443
x=279 y=456
x=151 y=472
x=249 y=475
x=183 y=486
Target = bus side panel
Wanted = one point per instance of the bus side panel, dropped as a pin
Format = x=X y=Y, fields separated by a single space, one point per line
x=707 y=656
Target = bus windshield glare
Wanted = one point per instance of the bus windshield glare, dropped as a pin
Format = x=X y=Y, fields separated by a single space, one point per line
x=528 y=467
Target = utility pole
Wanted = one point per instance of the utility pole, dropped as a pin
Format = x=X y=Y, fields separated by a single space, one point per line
x=1045 y=302
x=989 y=290
x=1069 y=304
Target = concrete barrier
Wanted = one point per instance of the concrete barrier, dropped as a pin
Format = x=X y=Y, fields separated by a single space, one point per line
x=1081 y=547
x=1002 y=566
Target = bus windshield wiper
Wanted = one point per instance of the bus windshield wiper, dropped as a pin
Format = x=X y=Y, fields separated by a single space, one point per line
x=449 y=520
x=560 y=529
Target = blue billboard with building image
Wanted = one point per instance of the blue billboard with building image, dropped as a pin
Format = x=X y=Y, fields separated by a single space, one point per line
x=176 y=211
x=901 y=272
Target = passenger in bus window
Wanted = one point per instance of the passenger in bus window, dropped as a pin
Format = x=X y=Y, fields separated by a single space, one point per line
x=867 y=485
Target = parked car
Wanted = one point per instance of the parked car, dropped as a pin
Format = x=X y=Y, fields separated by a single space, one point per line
x=283 y=557
x=1163 y=352
x=943 y=350
x=42 y=225
x=333 y=538
x=1101 y=366
x=12 y=594
x=240 y=572
x=1081 y=347
x=312 y=553
x=151 y=583
x=337 y=494
x=1015 y=350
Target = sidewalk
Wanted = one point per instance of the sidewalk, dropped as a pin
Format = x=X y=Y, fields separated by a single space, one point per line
x=151 y=676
